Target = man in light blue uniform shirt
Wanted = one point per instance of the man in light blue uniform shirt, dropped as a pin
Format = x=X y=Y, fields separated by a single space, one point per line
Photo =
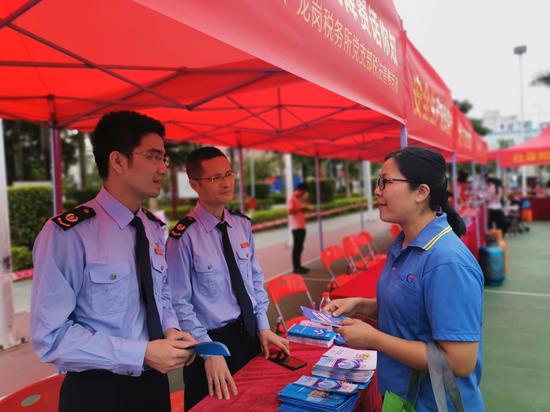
x=101 y=308
x=217 y=284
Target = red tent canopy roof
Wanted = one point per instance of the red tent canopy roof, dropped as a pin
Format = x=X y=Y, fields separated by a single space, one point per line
x=535 y=151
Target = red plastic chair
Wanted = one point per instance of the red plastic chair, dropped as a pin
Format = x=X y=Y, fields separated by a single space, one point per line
x=41 y=396
x=330 y=255
x=282 y=287
x=176 y=401
x=364 y=239
x=353 y=253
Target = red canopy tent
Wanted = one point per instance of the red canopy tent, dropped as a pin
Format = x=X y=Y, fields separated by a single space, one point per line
x=535 y=151
x=463 y=136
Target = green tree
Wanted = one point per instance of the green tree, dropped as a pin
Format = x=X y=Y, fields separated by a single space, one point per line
x=541 y=79
x=465 y=106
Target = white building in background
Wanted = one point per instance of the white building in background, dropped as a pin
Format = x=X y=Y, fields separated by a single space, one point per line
x=506 y=130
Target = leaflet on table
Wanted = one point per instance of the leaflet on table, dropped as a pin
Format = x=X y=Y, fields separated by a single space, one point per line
x=322 y=317
x=345 y=364
x=210 y=349
x=308 y=397
x=311 y=332
x=328 y=385
x=367 y=356
x=362 y=378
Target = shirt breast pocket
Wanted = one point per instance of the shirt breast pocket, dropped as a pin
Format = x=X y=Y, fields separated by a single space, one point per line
x=243 y=261
x=406 y=302
x=109 y=287
x=210 y=276
x=159 y=274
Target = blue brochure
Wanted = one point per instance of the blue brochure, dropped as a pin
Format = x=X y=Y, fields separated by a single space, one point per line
x=322 y=317
x=210 y=349
x=311 y=332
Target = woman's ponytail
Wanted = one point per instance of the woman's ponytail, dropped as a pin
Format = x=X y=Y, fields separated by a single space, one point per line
x=454 y=219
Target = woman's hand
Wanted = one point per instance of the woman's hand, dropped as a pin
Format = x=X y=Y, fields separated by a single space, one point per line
x=357 y=333
x=340 y=307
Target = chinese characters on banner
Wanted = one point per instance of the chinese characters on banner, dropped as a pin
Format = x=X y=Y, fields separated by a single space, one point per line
x=531 y=157
x=428 y=106
x=363 y=42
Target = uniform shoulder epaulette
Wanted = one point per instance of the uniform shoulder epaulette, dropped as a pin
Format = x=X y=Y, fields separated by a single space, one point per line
x=73 y=217
x=237 y=212
x=181 y=227
x=152 y=217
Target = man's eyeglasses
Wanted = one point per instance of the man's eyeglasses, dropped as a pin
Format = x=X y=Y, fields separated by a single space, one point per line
x=217 y=178
x=382 y=182
x=155 y=156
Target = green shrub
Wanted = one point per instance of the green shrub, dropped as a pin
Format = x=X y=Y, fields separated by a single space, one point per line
x=262 y=190
x=328 y=187
x=29 y=209
x=278 y=198
x=77 y=197
x=21 y=258
x=262 y=216
x=182 y=211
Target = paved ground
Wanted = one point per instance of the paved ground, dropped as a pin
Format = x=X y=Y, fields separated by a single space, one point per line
x=516 y=373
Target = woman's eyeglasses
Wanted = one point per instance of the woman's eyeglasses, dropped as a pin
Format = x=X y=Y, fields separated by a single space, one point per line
x=382 y=182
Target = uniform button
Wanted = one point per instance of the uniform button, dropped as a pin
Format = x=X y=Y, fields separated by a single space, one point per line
x=247 y=255
x=162 y=268
x=113 y=276
x=209 y=267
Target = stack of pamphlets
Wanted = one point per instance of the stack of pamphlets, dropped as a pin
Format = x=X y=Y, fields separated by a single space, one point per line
x=311 y=335
x=346 y=364
x=295 y=398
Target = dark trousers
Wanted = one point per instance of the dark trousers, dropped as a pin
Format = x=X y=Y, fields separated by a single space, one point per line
x=497 y=217
x=243 y=348
x=298 y=238
x=100 y=390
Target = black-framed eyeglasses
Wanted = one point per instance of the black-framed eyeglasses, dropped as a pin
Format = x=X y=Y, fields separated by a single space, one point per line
x=155 y=156
x=382 y=182
x=217 y=178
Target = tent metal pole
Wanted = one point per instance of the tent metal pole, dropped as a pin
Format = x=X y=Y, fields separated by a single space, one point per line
x=361 y=211
x=7 y=315
x=56 y=169
x=252 y=178
x=454 y=180
x=289 y=187
x=367 y=170
x=241 y=177
x=476 y=207
x=318 y=193
x=403 y=137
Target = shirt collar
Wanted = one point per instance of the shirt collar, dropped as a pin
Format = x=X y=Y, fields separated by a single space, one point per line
x=433 y=231
x=427 y=237
x=120 y=213
x=208 y=220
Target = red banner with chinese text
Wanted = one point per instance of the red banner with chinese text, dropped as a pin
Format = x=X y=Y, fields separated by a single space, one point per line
x=463 y=136
x=351 y=47
x=429 y=102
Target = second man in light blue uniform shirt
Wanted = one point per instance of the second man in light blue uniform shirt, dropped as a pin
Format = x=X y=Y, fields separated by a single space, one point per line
x=217 y=284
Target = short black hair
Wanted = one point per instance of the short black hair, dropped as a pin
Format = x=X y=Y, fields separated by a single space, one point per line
x=122 y=132
x=426 y=166
x=304 y=187
x=193 y=165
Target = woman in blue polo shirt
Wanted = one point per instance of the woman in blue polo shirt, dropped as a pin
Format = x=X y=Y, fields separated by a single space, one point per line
x=431 y=288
